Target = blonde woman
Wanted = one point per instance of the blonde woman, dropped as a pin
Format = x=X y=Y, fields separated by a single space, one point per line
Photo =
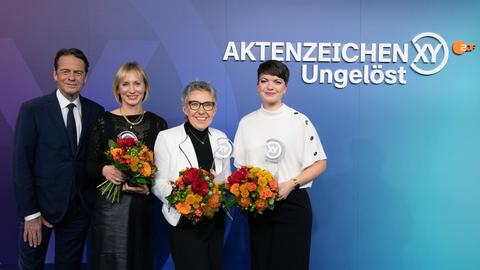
x=122 y=232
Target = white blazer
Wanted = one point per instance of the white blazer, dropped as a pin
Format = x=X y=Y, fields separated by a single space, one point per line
x=173 y=152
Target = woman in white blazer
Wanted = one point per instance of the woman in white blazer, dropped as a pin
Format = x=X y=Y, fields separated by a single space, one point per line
x=192 y=144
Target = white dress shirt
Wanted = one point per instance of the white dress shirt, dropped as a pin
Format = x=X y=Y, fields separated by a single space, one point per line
x=77 y=111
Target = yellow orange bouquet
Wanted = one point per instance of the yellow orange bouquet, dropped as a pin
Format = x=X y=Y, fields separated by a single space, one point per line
x=252 y=190
x=195 y=195
x=134 y=159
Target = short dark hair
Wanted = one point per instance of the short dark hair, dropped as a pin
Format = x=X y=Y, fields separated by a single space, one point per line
x=274 y=68
x=74 y=52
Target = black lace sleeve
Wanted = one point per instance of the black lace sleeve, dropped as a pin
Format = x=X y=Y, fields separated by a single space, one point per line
x=153 y=124
x=161 y=125
x=97 y=145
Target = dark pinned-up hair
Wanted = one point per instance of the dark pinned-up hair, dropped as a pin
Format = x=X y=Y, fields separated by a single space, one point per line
x=274 y=68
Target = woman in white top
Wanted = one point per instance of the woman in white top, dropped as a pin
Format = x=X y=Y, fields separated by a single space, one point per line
x=284 y=141
x=192 y=144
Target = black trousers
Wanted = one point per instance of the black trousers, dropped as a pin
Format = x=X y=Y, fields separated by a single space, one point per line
x=199 y=246
x=281 y=239
x=70 y=236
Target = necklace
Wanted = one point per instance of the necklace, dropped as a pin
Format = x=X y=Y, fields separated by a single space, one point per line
x=198 y=139
x=134 y=122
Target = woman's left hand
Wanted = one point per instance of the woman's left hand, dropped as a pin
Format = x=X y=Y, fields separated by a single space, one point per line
x=141 y=189
x=217 y=181
x=284 y=190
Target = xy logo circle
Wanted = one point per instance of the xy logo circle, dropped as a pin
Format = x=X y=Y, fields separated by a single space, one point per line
x=225 y=148
x=428 y=53
x=274 y=150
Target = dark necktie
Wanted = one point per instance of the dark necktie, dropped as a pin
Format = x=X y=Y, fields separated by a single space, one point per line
x=72 y=127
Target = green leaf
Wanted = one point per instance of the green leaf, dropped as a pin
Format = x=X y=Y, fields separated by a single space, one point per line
x=112 y=144
x=139 y=181
x=230 y=201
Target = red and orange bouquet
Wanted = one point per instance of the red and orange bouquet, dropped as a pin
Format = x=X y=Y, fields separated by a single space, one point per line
x=195 y=195
x=134 y=159
x=253 y=190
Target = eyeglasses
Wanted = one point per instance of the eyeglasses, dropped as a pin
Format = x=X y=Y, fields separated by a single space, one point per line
x=207 y=106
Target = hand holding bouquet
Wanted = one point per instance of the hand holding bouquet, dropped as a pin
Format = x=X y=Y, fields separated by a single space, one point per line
x=195 y=195
x=253 y=190
x=134 y=159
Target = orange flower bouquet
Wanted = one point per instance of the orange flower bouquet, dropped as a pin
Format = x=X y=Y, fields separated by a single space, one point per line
x=195 y=195
x=134 y=159
x=253 y=190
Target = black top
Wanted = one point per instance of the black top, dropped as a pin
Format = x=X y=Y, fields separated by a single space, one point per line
x=122 y=232
x=108 y=126
x=201 y=144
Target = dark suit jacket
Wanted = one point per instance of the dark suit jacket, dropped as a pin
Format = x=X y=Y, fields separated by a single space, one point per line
x=45 y=168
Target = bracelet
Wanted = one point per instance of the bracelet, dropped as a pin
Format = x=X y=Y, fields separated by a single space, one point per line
x=296 y=183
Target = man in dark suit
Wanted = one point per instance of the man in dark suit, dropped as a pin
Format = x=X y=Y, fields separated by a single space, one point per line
x=52 y=190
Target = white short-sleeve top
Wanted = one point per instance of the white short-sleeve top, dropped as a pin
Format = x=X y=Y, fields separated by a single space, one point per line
x=301 y=143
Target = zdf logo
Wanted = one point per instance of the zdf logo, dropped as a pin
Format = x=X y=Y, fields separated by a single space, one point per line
x=459 y=47
x=429 y=47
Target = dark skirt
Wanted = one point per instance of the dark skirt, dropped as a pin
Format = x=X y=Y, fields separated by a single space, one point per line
x=281 y=239
x=122 y=233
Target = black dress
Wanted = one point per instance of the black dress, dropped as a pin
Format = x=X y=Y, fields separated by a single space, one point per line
x=121 y=233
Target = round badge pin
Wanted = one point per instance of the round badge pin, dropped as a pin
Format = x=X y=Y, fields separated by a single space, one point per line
x=274 y=150
x=225 y=148
x=127 y=134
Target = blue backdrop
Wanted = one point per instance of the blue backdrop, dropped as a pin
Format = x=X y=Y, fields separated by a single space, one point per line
x=403 y=172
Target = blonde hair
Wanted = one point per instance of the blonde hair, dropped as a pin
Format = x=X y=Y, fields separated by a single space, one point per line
x=122 y=72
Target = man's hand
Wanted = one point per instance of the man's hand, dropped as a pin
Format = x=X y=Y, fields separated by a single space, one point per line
x=32 y=231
